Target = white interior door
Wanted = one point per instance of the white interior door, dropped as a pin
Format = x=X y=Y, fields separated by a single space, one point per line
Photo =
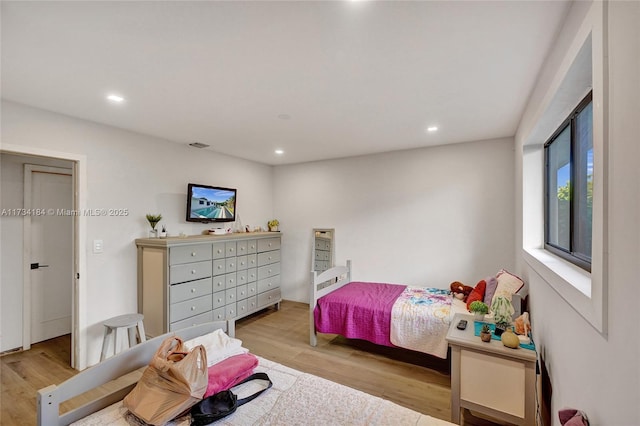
x=51 y=262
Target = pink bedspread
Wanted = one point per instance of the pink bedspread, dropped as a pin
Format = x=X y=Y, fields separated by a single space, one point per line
x=358 y=311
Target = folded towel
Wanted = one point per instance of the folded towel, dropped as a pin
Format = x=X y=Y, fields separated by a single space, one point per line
x=226 y=374
x=218 y=345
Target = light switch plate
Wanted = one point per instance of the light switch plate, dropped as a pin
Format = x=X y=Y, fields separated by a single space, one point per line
x=98 y=246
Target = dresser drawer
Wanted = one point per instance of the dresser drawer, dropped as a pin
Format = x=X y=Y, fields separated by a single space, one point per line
x=189 y=254
x=252 y=274
x=190 y=322
x=219 y=267
x=190 y=290
x=268 y=244
x=268 y=257
x=230 y=311
x=268 y=271
x=231 y=264
x=218 y=251
x=219 y=299
x=252 y=289
x=219 y=283
x=241 y=262
x=252 y=246
x=230 y=280
x=268 y=284
x=189 y=308
x=269 y=298
x=219 y=314
x=252 y=260
x=189 y=272
x=230 y=295
x=242 y=277
x=242 y=292
x=230 y=248
x=252 y=303
x=322 y=255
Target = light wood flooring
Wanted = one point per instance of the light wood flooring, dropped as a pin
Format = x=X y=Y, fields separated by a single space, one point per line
x=411 y=379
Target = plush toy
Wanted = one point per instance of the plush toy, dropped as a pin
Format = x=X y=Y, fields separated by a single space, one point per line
x=522 y=325
x=460 y=291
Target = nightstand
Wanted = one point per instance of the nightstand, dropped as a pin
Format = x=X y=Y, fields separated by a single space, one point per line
x=490 y=378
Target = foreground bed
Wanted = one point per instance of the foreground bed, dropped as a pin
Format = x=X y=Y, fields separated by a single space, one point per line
x=295 y=398
x=413 y=318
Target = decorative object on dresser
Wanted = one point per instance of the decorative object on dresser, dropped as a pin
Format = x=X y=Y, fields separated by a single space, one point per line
x=510 y=339
x=479 y=309
x=153 y=220
x=485 y=333
x=201 y=278
x=273 y=225
x=503 y=311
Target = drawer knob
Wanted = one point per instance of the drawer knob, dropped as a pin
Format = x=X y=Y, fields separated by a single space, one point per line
x=269 y=258
x=193 y=290
x=269 y=244
x=193 y=254
x=193 y=271
x=269 y=285
x=219 y=300
x=231 y=265
x=193 y=308
x=219 y=266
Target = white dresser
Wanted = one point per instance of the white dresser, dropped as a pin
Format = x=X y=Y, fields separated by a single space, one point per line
x=197 y=279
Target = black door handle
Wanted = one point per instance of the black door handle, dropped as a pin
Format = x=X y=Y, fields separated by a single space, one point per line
x=38 y=266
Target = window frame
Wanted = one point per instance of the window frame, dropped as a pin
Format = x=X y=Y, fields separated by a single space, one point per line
x=570 y=122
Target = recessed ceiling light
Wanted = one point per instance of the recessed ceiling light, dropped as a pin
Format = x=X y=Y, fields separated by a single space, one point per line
x=115 y=98
x=279 y=151
x=432 y=128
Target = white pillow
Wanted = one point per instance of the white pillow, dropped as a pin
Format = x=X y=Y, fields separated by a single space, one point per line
x=508 y=284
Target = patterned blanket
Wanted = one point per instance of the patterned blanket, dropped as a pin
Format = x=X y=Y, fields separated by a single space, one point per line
x=420 y=318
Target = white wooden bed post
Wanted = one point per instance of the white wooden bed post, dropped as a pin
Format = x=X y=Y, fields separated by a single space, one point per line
x=338 y=276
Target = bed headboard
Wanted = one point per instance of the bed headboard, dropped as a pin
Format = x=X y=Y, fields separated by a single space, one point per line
x=50 y=398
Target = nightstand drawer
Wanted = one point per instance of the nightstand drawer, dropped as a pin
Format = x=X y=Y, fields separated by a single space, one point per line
x=190 y=322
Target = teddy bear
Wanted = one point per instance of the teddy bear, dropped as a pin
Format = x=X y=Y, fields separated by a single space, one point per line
x=460 y=291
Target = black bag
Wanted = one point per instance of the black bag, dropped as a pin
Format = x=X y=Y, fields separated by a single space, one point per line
x=223 y=403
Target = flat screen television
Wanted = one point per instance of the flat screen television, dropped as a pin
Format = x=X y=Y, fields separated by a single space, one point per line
x=210 y=204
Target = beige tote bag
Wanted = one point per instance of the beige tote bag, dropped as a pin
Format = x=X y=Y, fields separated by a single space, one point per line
x=175 y=380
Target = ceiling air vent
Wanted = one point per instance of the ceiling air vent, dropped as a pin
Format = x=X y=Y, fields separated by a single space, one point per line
x=198 y=145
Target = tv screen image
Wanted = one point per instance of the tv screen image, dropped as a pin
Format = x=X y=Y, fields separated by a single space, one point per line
x=210 y=203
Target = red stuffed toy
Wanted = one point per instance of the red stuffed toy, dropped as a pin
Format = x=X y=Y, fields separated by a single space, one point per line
x=460 y=291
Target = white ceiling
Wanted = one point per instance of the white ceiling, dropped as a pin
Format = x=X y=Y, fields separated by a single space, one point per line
x=350 y=78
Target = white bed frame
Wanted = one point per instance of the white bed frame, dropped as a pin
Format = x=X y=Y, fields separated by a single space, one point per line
x=50 y=398
x=337 y=277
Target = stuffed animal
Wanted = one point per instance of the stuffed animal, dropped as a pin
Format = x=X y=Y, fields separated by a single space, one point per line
x=460 y=291
x=522 y=325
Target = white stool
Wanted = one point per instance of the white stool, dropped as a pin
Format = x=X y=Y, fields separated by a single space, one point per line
x=116 y=325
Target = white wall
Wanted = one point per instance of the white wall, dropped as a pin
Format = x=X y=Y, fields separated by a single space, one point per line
x=588 y=370
x=125 y=170
x=420 y=217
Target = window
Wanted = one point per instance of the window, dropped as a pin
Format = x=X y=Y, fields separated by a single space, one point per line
x=569 y=187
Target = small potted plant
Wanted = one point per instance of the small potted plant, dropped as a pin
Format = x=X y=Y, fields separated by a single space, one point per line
x=153 y=220
x=273 y=225
x=502 y=313
x=485 y=333
x=479 y=309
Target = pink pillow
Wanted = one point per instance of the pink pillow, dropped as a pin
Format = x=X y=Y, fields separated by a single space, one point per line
x=492 y=284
